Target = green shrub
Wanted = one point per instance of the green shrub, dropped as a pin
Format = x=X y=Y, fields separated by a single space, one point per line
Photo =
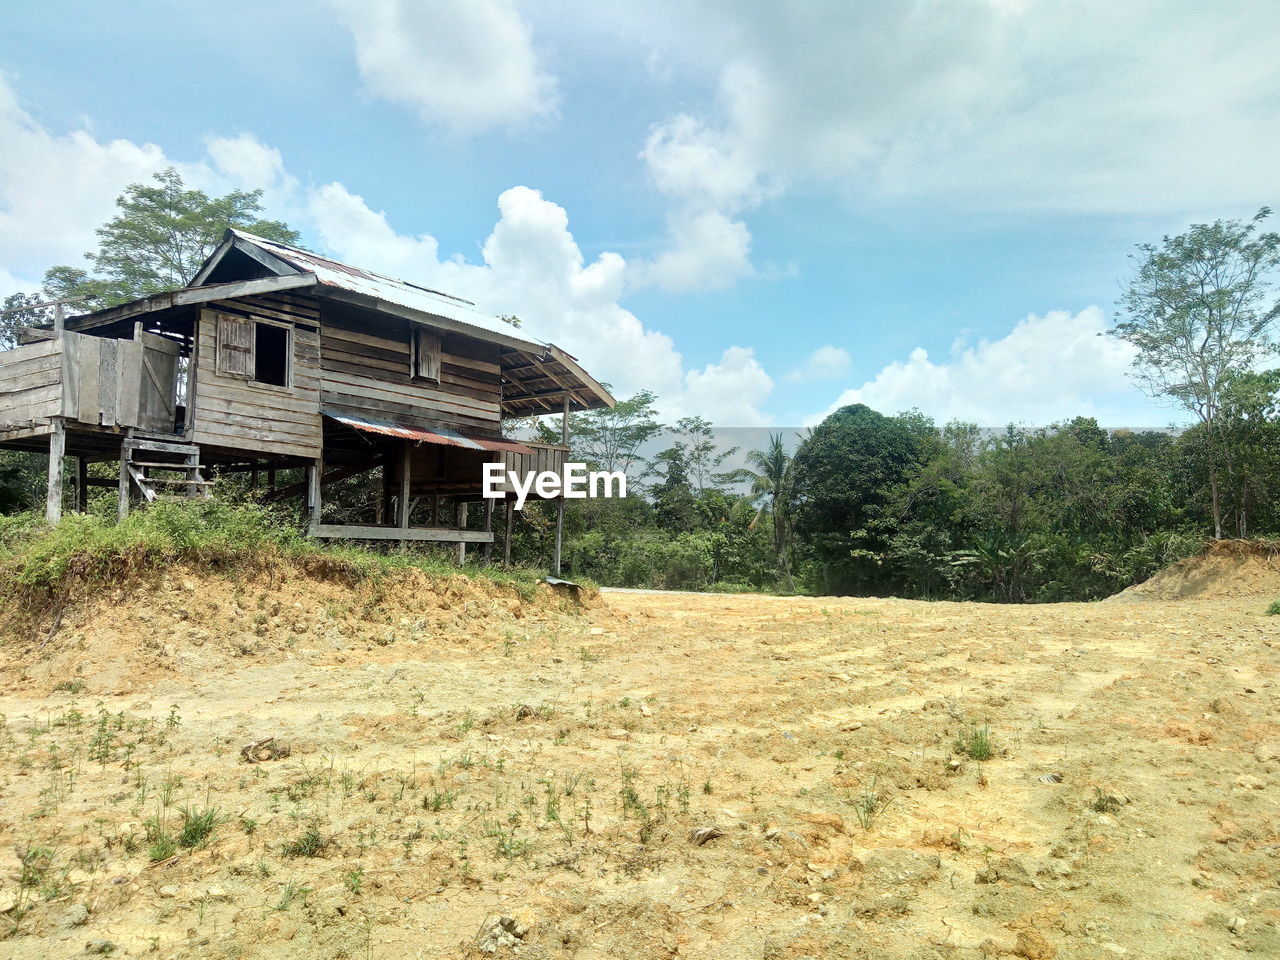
x=1274 y=609
x=39 y=565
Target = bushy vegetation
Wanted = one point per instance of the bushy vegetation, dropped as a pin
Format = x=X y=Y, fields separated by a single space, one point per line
x=896 y=505
x=38 y=564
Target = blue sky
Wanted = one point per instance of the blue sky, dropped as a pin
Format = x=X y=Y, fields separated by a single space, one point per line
x=758 y=210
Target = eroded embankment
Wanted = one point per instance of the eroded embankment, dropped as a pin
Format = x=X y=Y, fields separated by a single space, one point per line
x=126 y=635
x=1225 y=569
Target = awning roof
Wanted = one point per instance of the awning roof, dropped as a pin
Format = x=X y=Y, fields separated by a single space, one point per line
x=439 y=435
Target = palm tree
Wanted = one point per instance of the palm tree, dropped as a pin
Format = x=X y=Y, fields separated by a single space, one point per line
x=770 y=474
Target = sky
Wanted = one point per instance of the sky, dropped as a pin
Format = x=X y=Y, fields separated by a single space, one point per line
x=761 y=211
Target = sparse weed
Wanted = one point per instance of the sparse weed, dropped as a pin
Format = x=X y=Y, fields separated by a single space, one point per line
x=353 y=880
x=1104 y=802
x=975 y=743
x=197 y=825
x=870 y=805
x=291 y=893
x=438 y=799
x=311 y=843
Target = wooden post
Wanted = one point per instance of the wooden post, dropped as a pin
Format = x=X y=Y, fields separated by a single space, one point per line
x=506 y=543
x=564 y=440
x=314 y=471
x=125 y=481
x=59 y=319
x=555 y=562
x=462 y=525
x=192 y=460
x=385 y=509
x=82 y=484
x=57 y=449
x=402 y=507
x=487 y=550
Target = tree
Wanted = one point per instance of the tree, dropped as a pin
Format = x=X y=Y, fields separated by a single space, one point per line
x=16 y=311
x=1198 y=310
x=610 y=439
x=771 y=476
x=702 y=459
x=674 y=504
x=843 y=476
x=1250 y=432
x=160 y=236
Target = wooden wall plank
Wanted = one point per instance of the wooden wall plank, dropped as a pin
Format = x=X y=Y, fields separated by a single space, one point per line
x=232 y=412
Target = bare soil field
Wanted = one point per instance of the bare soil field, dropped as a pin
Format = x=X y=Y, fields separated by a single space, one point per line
x=452 y=770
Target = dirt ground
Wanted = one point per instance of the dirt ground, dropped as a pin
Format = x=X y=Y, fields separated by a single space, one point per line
x=471 y=772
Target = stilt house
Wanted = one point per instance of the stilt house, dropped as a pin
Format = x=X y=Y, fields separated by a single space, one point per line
x=274 y=357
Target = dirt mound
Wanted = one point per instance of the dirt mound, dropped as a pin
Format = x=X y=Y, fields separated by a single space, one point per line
x=186 y=624
x=1226 y=569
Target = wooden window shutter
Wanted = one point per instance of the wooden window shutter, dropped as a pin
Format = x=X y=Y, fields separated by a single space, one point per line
x=426 y=355
x=235 y=346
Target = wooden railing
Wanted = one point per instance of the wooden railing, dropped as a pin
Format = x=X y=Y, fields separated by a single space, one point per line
x=548 y=457
x=89 y=380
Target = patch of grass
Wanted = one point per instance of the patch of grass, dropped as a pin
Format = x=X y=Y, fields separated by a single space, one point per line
x=975 y=743
x=1274 y=609
x=311 y=843
x=197 y=825
x=40 y=567
x=1104 y=802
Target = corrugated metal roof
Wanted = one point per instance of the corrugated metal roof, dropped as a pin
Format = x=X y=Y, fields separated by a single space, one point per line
x=358 y=280
x=440 y=435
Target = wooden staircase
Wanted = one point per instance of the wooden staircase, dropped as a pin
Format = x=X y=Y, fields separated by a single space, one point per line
x=160 y=468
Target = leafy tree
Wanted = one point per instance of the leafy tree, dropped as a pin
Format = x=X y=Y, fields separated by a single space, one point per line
x=1250 y=434
x=1199 y=311
x=843 y=476
x=610 y=439
x=16 y=311
x=673 y=499
x=771 y=475
x=702 y=458
x=160 y=235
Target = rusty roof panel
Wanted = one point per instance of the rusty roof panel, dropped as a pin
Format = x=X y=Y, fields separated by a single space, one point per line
x=356 y=280
x=438 y=435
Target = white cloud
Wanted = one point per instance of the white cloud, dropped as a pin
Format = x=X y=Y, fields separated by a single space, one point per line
x=1048 y=368
x=729 y=393
x=469 y=65
x=1095 y=105
x=532 y=267
x=709 y=181
x=56 y=189
x=826 y=363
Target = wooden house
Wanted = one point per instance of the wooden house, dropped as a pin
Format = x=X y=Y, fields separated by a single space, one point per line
x=273 y=357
